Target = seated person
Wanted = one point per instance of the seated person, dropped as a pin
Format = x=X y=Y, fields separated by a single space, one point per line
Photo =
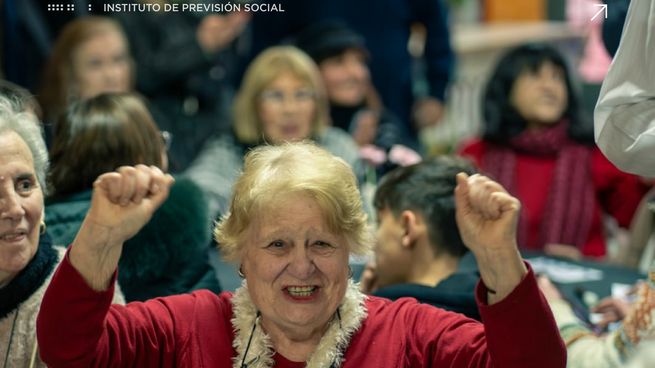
x=355 y=107
x=295 y=218
x=418 y=246
x=631 y=345
x=27 y=255
x=281 y=99
x=537 y=145
x=90 y=56
x=169 y=255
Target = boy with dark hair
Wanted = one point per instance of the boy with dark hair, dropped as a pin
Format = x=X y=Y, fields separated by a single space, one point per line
x=418 y=247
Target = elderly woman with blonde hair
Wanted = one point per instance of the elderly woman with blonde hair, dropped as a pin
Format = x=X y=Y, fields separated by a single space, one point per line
x=281 y=99
x=295 y=218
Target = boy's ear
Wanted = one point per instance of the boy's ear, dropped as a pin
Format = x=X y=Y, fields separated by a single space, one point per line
x=409 y=223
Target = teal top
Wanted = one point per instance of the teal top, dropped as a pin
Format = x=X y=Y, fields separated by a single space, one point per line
x=168 y=256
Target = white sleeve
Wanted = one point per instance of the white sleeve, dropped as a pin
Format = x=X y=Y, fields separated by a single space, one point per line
x=625 y=114
x=584 y=349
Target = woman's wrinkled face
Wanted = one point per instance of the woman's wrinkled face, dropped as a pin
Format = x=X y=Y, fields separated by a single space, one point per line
x=346 y=77
x=287 y=109
x=102 y=64
x=541 y=97
x=295 y=267
x=21 y=206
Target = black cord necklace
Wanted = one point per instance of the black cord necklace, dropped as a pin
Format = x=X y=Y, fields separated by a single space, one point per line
x=245 y=353
x=252 y=332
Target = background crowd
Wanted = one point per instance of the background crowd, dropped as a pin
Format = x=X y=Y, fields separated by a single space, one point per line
x=407 y=93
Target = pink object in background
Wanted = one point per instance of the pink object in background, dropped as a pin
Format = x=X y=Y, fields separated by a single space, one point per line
x=372 y=154
x=403 y=156
x=398 y=154
x=595 y=61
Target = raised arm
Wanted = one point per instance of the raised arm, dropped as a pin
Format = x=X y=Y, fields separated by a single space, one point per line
x=518 y=327
x=122 y=202
x=487 y=217
x=76 y=326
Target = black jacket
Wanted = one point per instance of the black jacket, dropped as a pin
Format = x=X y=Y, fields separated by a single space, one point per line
x=191 y=88
x=456 y=293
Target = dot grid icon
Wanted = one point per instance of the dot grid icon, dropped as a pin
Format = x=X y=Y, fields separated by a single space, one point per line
x=61 y=7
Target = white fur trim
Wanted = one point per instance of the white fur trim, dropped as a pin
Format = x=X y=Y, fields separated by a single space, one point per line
x=330 y=349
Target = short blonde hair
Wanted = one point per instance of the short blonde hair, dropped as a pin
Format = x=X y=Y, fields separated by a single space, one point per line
x=266 y=67
x=272 y=173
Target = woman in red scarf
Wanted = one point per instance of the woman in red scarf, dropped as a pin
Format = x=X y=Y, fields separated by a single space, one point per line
x=538 y=146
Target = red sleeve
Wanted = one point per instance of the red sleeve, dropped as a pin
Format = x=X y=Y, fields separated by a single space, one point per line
x=618 y=192
x=473 y=150
x=518 y=331
x=78 y=327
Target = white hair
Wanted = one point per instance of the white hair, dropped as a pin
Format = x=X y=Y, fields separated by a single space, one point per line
x=27 y=126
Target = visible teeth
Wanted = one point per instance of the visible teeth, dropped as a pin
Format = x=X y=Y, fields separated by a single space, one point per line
x=301 y=290
x=10 y=237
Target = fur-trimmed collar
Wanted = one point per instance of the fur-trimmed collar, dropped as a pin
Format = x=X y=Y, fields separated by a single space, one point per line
x=328 y=353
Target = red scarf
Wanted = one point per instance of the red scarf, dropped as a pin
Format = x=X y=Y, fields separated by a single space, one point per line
x=569 y=209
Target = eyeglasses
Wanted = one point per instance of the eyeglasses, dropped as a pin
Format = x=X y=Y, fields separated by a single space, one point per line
x=167 y=139
x=277 y=97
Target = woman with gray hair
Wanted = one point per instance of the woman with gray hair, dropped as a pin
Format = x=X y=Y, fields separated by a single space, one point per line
x=27 y=257
x=295 y=218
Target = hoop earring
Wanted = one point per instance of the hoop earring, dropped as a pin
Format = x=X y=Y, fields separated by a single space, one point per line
x=42 y=227
x=241 y=274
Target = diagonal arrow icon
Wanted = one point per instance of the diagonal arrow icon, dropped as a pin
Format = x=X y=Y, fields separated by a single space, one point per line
x=603 y=8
